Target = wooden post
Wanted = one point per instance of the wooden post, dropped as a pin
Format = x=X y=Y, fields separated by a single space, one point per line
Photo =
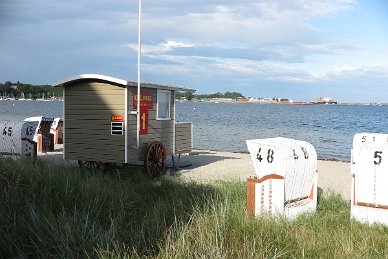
x=251 y=196
x=39 y=143
x=51 y=142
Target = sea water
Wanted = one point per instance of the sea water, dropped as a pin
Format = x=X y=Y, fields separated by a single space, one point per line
x=15 y=110
x=329 y=128
x=226 y=127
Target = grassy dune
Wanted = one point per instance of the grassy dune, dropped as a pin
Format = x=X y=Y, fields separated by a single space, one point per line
x=58 y=211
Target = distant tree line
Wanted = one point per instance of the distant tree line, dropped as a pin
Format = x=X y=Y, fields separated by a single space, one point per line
x=18 y=90
x=189 y=96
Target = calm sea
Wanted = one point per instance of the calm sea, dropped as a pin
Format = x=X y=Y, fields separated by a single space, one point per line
x=329 y=128
x=226 y=126
x=19 y=110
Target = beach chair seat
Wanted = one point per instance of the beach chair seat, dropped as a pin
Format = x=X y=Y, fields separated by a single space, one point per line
x=369 y=197
x=286 y=177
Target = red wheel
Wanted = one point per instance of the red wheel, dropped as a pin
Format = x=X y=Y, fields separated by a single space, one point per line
x=155 y=159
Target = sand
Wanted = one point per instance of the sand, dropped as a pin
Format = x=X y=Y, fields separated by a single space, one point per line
x=207 y=166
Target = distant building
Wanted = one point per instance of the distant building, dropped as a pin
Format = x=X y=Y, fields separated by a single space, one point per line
x=260 y=100
x=241 y=99
x=283 y=100
x=220 y=100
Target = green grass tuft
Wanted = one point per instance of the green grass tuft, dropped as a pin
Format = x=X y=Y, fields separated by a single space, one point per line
x=58 y=211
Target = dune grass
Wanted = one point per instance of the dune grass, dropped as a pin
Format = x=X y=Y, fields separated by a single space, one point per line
x=58 y=211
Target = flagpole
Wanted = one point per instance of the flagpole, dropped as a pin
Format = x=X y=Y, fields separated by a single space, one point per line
x=138 y=77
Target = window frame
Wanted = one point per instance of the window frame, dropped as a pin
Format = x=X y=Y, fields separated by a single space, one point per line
x=169 y=105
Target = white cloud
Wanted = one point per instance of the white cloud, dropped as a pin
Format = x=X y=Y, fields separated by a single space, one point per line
x=263 y=22
x=162 y=47
x=258 y=70
x=367 y=69
x=206 y=67
x=269 y=30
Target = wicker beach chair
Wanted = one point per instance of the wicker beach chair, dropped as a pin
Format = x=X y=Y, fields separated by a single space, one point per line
x=286 y=177
x=17 y=138
x=369 y=197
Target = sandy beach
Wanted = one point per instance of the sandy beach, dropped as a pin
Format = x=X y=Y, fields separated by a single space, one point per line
x=207 y=166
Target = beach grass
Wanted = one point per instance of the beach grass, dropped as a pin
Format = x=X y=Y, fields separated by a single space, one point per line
x=59 y=211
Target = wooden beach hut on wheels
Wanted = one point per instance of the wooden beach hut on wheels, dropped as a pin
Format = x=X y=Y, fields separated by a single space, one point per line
x=100 y=122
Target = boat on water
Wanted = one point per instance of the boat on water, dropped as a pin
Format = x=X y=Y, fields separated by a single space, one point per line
x=325 y=101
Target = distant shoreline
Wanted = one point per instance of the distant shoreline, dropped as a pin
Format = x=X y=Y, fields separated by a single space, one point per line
x=303 y=104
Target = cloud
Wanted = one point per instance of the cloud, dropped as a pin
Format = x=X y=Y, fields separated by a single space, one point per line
x=269 y=30
x=208 y=67
x=263 y=23
x=367 y=70
x=162 y=47
x=276 y=53
x=199 y=43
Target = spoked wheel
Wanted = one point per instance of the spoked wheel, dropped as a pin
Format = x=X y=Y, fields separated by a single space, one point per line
x=89 y=164
x=155 y=159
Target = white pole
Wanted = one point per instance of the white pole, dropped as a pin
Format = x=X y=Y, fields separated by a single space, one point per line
x=138 y=78
x=126 y=126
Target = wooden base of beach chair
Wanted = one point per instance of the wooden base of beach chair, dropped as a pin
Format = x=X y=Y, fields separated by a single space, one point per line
x=369 y=196
x=266 y=196
x=368 y=212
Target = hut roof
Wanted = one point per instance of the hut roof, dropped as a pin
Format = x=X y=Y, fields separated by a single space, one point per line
x=119 y=82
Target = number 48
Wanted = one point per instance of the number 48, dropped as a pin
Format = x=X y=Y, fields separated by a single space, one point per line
x=270 y=155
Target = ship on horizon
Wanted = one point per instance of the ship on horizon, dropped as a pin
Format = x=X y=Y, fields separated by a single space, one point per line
x=326 y=100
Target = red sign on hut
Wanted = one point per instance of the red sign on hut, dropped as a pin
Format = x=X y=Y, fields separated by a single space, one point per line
x=117 y=118
x=146 y=102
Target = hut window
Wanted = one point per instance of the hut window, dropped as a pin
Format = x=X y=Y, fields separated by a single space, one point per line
x=163 y=105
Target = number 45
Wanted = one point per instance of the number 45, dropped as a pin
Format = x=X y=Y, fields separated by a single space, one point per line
x=378 y=157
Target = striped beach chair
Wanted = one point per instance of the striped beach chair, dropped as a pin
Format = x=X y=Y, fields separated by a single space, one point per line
x=17 y=138
x=286 y=177
x=369 y=197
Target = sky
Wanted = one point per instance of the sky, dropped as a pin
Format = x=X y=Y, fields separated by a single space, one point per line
x=295 y=49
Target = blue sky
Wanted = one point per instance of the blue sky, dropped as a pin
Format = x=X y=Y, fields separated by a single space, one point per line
x=294 y=49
